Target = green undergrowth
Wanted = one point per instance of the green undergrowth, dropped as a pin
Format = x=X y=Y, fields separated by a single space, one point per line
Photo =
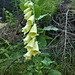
x=39 y=65
x=9 y=51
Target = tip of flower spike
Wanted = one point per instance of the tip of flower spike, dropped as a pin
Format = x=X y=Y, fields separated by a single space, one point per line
x=26 y=4
x=30 y=4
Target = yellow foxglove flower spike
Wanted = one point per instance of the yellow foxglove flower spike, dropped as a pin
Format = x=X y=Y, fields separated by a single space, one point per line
x=30 y=39
x=30 y=20
x=28 y=55
x=27 y=15
x=30 y=45
x=33 y=31
x=26 y=10
x=35 y=49
x=26 y=28
x=27 y=39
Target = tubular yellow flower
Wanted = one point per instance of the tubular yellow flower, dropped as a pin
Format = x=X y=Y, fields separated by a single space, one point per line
x=27 y=15
x=26 y=10
x=30 y=45
x=26 y=4
x=26 y=28
x=30 y=20
x=33 y=31
x=28 y=55
x=27 y=39
x=35 y=49
x=30 y=4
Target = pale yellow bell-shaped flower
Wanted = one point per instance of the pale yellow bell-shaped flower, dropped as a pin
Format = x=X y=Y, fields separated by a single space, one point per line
x=26 y=10
x=27 y=39
x=33 y=31
x=35 y=49
x=30 y=45
x=26 y=4
x=27 y=15
x=28 y=55
x=30 y=4
x=30 y=20
x=26 y=28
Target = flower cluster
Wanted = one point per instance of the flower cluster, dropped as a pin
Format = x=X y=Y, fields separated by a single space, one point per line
x=30 y=30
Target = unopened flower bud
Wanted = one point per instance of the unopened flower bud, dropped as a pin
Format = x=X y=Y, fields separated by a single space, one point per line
x=30 y=4
x=26 y=4
x=26 y=10
x=27 y=15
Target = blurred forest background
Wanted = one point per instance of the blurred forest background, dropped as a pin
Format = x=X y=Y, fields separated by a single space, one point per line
x=57 y=38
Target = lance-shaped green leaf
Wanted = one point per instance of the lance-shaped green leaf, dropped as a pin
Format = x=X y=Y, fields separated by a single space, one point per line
x=37 y=11
x=42 y=16
x=47 y=61
x=48 y=28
